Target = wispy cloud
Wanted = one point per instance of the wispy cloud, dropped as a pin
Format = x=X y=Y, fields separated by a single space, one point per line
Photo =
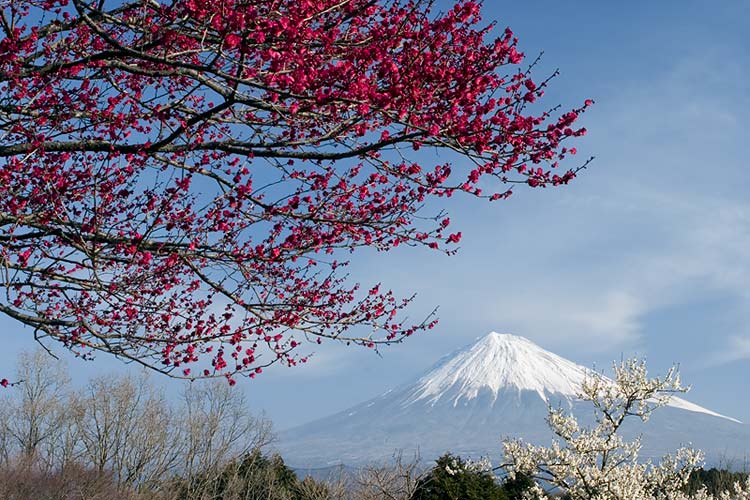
x=736 y=348
x=661 y=220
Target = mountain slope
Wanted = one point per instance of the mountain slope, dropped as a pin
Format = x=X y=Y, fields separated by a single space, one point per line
x=497 y=387
x=497 y=362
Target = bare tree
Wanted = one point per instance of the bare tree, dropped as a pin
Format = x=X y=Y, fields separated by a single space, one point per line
x=121 y=432
x=127 y=428
x=217 y=427
x=396 y=481
x=331 y=489
x=6 y=441
x=62 y=450
x=35 y=410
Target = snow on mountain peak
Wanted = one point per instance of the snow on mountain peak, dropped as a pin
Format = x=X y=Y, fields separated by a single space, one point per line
x=500 y=361
x=498 y=386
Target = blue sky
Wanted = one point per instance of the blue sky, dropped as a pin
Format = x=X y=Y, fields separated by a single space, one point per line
x=647 y=253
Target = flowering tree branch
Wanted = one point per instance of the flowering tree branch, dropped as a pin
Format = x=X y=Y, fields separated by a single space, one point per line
x=596 y=463
x=179 y=179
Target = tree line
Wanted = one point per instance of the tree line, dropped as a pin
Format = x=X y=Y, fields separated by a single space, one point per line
x=119 y=437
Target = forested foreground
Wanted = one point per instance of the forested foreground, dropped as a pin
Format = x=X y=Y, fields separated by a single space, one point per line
x=119 y=437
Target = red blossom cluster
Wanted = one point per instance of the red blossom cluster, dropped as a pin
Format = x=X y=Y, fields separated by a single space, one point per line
x=178 y=178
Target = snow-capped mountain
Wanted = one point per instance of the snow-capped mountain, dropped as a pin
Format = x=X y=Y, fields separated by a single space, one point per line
x=500 y=386
x=497 y=362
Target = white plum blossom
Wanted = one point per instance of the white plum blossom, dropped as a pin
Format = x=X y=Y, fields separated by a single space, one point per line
x=480 y=466
x=596 y=463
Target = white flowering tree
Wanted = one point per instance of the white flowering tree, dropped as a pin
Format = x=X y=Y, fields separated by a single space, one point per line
x=595 y=462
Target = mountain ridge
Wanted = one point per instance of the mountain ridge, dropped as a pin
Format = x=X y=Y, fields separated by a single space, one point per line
x=501 y=385
x=515 y=361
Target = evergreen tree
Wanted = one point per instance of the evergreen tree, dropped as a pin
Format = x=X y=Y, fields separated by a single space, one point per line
x=516 y=487
x=714 y=480
x=453 y=478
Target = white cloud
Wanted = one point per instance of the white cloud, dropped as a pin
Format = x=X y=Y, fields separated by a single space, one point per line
x=736 y=348
x=591 y=321
x=696 y=248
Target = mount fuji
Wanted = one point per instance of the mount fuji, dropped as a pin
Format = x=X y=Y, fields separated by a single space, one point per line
x=498 y=387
